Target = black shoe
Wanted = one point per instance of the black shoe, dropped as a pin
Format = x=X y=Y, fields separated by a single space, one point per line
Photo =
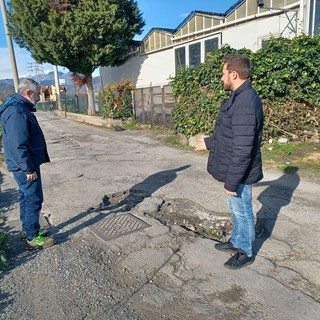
x=239 y=260
x=226 y=246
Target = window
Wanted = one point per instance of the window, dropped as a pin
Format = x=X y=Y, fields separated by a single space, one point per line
x=211 y=45
x=180 y=59
x=262 y=41
x=314 y=27
x=194 y=55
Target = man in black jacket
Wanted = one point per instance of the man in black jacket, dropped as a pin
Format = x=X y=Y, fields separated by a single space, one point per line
x=235 y=156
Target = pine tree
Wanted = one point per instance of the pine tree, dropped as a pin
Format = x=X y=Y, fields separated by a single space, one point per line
x=80 y=35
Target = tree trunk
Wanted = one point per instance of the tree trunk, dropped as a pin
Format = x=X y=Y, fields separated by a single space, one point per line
x=91 y=104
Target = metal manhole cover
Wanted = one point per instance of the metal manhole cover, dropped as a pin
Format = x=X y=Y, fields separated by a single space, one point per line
x=116 y=226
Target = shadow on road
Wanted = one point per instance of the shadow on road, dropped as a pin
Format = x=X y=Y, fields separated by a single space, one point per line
x=15 y=251
x=136 y=194
x=7 y=197
x=277 y=195
x=145 y=189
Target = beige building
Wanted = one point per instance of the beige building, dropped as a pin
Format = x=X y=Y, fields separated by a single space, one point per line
x=248 y=23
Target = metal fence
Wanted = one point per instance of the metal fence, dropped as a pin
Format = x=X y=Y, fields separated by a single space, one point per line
x=153 y=106
x=47 y=105
x=76 y=103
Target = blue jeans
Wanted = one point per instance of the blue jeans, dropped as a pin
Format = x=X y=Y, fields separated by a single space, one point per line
x=243 y=232
x=31 y=198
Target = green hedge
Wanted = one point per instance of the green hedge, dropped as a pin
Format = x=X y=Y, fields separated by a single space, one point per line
x=285 y=74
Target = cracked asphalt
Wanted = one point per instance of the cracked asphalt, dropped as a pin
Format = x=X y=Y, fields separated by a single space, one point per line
x=164 y=271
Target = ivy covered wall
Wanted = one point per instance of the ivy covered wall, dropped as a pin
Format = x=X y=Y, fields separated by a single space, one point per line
x=285 y=74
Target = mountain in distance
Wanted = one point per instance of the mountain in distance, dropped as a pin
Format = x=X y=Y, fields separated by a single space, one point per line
x=49 y=76
x=47 y=79
x=6 y=90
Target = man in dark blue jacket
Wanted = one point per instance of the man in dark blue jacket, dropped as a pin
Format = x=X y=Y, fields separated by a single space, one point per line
x=235 y=156
x=25 y=150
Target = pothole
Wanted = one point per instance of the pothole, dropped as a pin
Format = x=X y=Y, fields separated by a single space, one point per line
x=194 y=218
x=181 y=212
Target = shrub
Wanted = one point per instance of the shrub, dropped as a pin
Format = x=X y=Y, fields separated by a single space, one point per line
x=115 y=101
x=287 y=79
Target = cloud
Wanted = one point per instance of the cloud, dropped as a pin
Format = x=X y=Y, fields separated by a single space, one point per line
x=23 y=62
x=5 y=67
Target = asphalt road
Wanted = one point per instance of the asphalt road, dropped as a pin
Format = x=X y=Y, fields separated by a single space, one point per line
x=161 y=271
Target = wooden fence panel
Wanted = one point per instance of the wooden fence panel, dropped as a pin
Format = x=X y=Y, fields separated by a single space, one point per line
x=153 y=106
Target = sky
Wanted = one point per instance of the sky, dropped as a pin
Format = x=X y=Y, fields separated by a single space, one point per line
x=162 y=14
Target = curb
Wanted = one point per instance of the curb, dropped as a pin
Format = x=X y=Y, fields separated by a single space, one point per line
x=93 y=120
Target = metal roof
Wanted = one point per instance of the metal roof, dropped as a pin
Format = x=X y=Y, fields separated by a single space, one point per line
x=237 y=4
x=165 y=30
x=191 y=15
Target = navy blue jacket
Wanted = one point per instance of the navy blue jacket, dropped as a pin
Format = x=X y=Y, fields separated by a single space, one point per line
x=23 y=141
x=235 y=156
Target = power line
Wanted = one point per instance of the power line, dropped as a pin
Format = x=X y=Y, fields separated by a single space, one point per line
x=36 y=70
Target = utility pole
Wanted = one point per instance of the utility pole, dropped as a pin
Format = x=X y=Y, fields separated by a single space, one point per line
x=10 y=47
x=57 y=86
x=36 y=69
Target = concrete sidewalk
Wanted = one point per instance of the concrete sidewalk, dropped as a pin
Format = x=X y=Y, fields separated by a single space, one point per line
x=162 y=271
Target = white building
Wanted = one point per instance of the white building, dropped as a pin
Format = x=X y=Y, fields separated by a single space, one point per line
x=247 y=24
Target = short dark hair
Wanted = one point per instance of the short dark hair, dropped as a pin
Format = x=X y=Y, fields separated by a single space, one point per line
x=239 y=63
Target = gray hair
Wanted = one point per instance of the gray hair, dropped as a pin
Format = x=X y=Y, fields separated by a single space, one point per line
x=28 y=84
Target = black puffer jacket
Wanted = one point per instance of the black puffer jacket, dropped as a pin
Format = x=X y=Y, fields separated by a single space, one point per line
x=235 y=156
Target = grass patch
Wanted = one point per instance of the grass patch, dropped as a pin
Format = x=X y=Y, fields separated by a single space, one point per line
x=289 y=156
x=160 y=130
x=133 y=124
x=174 y=141
x=130 y=125
x=212 y=234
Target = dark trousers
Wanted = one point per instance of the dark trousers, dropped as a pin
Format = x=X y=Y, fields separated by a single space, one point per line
x=31 y=198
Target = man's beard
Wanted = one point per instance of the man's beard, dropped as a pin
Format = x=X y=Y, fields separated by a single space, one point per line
x=227 y=87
